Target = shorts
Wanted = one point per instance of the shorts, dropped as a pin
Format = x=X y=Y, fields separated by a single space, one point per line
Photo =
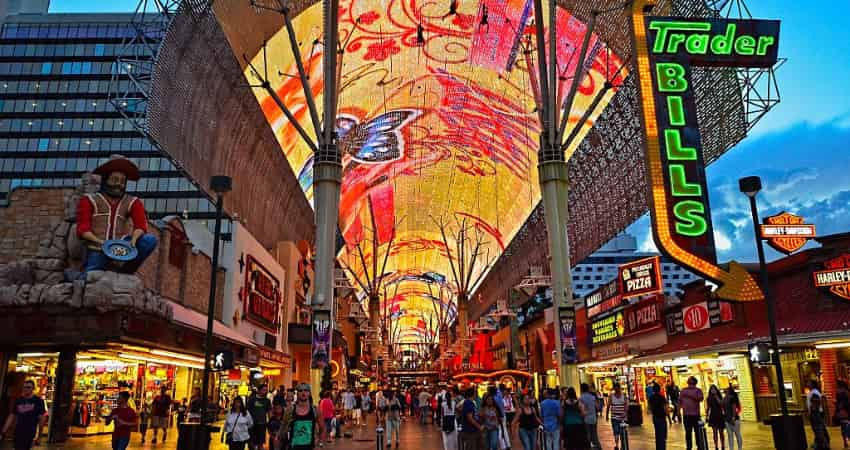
x=356 y=413
x=617 y=426
x=159 y=422
x=329 y=425
x=258 y=434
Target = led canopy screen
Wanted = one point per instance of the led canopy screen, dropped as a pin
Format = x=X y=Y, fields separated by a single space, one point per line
x=437 y=123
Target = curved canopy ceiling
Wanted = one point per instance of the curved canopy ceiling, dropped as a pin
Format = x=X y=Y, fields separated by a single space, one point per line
x=435 y=128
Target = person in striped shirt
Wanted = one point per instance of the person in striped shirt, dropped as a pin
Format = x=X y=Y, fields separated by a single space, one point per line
x=618 y=405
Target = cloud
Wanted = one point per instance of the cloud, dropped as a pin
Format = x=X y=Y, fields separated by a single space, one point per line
x=805 y=169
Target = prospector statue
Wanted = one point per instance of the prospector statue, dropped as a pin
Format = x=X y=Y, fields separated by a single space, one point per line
x=113 y=224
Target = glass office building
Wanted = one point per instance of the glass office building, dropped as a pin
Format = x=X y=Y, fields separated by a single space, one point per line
x=56 y=121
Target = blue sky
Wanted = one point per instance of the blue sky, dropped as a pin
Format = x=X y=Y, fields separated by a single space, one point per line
x=801 y=149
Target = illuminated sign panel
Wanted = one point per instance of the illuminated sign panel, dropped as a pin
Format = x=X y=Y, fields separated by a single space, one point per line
x=605 y=298
x=786 y=232
x=607 y=329
x=440 y=129
x=666 y=50
x=644 y=316
x=835 y=276
x=641 y=277
x=261 y=296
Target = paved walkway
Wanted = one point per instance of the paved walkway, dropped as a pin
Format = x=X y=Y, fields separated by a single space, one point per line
x=427 y=437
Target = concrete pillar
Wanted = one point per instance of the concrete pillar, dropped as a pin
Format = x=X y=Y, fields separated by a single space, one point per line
x=60 y=414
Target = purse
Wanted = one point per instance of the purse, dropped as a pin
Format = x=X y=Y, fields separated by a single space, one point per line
x=227 y=437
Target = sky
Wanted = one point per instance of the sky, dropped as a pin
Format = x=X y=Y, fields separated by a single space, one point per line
x=800 y=149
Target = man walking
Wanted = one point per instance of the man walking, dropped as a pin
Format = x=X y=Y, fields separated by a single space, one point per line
x=550 y=409
x=259 y=407
x=28 y=416
x=658 y=409
x=470 y=436
x=161 y=412
x=424 y=406
x=618 y=406
x=301 y=422
x=588 y=402
x=125 y=419
x=690 y=399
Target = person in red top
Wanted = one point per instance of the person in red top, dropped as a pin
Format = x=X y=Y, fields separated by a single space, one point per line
x=112 y=214
x=125 y=419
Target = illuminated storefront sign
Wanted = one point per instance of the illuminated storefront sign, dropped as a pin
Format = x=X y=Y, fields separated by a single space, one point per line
x=609 y=351
x=667 y=48
x=641 y=277
x=261 y=296
x=605 y=298
x=698 y=317
x=644 y=316
x=607 y=329
x=786 y=232
x=835 y=276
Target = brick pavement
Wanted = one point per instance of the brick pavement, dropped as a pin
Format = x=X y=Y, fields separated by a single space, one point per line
x=428 y=437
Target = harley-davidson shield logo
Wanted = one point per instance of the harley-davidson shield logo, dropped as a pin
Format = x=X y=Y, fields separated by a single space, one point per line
x=835 y=276
x=786 y=232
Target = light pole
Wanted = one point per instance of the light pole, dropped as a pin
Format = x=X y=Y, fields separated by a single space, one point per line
x=221 y=185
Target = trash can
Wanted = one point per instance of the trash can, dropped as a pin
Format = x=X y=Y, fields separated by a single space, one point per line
x=635 y=414
x=788 y=432
x=194 y=436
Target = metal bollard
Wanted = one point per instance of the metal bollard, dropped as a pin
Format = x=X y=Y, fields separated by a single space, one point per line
x=380 y=433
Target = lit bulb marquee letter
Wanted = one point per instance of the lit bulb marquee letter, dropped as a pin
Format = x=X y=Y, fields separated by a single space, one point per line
x=667 y=48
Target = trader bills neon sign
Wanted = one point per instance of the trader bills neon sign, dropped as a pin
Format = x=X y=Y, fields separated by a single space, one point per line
x=666 y=48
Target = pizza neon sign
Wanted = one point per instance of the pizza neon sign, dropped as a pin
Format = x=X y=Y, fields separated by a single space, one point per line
x=666 y=48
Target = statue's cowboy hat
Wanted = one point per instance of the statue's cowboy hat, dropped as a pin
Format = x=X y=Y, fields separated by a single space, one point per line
x=118 y=163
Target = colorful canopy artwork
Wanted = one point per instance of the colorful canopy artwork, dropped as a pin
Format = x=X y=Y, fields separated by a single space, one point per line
x=437 y=123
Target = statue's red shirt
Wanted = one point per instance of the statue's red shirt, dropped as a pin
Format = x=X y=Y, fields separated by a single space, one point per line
x=85 y=209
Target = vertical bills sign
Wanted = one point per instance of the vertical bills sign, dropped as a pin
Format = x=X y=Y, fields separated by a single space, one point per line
x=667 y=49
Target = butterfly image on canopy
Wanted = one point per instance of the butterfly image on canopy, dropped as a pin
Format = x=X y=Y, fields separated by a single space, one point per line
x=377 y=140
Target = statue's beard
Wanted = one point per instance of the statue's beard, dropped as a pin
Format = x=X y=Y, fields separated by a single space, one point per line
x=114 y=191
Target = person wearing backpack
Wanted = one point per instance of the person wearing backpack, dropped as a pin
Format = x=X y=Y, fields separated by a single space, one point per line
x=302 y=422
x=447 y=421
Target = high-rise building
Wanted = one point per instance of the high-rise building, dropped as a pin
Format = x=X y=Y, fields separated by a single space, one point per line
x=601 y=267
x=56 y=120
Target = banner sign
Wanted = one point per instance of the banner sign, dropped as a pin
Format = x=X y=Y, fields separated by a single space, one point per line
x=644 y=316
x=786 y=232
x=321 y=344
x=607 y=329
x=605 y=298
x=666 y=50
x=698 y=317
x=567 y=317
x=641 y=277
x=261 y=296
x=835 y=276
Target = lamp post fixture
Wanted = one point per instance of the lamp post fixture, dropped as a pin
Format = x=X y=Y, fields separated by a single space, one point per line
x=751 y=186
x=221 y=185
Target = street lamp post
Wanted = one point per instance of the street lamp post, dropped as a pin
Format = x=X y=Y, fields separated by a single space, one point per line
x=788 y=430
x=221 y=185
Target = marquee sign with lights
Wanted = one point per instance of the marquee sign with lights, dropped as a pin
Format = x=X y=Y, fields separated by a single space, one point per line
x=786 y=232
x=641 y=277
x=835 y=276
x=667 y=48
x=261 y=296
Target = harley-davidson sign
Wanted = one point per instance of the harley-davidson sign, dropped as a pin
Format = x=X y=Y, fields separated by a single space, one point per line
x=786 y=232
x=835 y=276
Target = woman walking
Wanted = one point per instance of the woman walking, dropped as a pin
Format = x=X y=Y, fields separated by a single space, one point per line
x=528 y=422
x=714 y=412
x=448 y=424
x=575 y=433
x=732 y=417
x=237 y=426
x=491 y=419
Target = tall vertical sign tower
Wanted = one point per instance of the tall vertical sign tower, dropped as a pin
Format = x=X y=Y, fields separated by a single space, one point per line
x=667 y=49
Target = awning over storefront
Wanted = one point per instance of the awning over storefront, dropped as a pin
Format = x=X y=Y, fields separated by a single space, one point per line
x=194 y=319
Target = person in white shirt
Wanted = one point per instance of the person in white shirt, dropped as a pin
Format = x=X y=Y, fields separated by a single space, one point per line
x=348 y=404
x=448 y=425
x=237 y=425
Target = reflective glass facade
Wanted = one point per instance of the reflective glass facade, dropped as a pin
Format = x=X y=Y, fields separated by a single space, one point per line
x=56 y=121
